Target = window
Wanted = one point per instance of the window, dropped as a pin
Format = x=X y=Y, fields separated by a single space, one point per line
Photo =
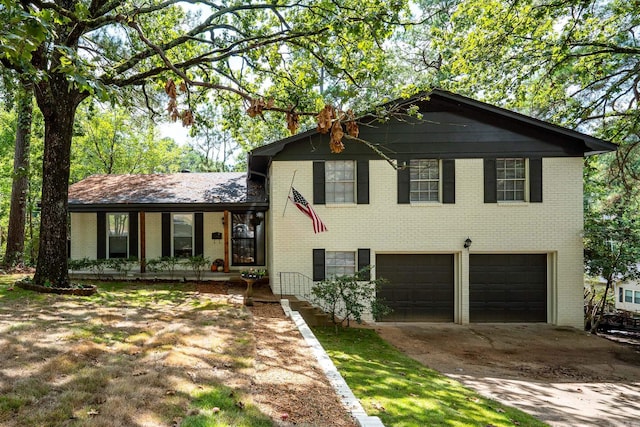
x=182 y=225
x=340 y=263
x=620 y=295
x=510 y=179
x=628 y=295
x=247 y=238
x=340 y=181
x=636 y=297
x=424 y=180
x=118 y=235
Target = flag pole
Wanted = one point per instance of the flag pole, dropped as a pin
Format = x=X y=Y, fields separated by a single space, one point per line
x=288 y=194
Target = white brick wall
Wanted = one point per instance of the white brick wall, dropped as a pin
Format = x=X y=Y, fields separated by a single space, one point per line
x=552 y=227
x=84 y=229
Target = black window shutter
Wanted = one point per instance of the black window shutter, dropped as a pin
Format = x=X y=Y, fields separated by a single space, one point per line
x=362 y=170
x=198 y=231
x=318 y=264
x=448 y=181
x=403 y=183
x=535 y=180
x=133 y=234
x=364 y=260
x=490 y=186
x=166 y=234
x=102 y=235
x=318 y=183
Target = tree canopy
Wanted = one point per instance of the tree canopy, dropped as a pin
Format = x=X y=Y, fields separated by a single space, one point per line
x=278 y=56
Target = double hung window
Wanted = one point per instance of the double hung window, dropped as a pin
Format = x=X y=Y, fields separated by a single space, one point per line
x=118 y=235
x=424 y=180
x=338 y=263
x=182 y=224
x=511 y=179
x=340 y=181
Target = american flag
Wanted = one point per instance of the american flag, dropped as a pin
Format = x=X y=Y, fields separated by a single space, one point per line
x=305 y=207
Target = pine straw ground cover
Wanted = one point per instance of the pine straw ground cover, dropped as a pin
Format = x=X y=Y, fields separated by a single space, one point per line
x=155 y=355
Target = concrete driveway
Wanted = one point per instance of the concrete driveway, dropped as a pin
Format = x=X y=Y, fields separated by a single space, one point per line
x=562 y=376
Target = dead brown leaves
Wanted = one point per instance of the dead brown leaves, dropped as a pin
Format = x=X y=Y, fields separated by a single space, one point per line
x=186 y=116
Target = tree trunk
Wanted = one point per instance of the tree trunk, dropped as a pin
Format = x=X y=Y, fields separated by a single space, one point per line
x=15 y=234
x=598 y=318
x=58 y=103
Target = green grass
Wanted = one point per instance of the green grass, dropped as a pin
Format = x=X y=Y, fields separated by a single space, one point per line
x=403 y=392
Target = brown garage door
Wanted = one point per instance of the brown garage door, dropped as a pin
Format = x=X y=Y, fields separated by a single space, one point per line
x=420 y=286
x=508 y=288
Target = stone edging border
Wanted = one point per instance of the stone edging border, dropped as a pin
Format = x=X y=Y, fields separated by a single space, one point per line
x=338 y=383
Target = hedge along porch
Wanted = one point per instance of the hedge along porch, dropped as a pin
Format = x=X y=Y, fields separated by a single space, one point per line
x=216 y=215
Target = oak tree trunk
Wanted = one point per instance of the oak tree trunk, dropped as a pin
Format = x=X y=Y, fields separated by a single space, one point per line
x=58 y=103
x=17 y=213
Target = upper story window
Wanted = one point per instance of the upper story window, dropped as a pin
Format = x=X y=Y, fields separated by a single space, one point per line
x=340 y=181
x=118 y=235
x=182 y=225
x=339 y=263
x=424 y=180
x=511 y=179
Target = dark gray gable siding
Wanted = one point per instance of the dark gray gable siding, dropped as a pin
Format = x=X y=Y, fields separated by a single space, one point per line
x=441 y=135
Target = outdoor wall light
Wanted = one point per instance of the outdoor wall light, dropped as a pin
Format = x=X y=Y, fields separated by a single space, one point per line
x=467 y=243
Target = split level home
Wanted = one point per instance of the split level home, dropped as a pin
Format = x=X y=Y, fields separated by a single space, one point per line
x=480 y=220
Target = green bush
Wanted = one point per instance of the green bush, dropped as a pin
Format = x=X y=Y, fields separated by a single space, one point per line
x=198 y=264
x=166 y=263
x=349 y=297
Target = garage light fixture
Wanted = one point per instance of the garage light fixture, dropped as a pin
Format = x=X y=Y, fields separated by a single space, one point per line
x=467 y=243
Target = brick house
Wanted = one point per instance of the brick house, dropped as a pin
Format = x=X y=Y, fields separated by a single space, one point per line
x=481 y=222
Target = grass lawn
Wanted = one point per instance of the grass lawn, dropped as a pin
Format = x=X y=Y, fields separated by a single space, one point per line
x=402 y=392
x=157 y=355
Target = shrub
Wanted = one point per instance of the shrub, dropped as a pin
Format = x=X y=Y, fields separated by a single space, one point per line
x=166 y=263
x=198 y=264
x=349 y=297
x=123 y=265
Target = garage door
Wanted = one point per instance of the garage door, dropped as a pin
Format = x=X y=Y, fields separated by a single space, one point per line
x=508 y=288
x=420 y=287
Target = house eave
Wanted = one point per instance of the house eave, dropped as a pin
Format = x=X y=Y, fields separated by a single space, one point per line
x=168 y=207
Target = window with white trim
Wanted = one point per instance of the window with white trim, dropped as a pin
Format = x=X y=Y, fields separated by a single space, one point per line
x=511 y=179
x=118 y=235
x=338 y=263
x=340 y=181
x=628 y=295
x=636 y=297
x=424 y=175
x=182 y=227
x=620 y=294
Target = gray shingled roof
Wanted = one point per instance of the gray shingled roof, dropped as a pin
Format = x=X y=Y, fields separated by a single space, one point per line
x=160 y=189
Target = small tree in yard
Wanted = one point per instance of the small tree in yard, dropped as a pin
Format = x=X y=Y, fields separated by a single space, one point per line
x=612 y=248
x=349 y=297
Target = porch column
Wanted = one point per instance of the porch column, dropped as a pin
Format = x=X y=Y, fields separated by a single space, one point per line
x=143 y=244
x=225 y=233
